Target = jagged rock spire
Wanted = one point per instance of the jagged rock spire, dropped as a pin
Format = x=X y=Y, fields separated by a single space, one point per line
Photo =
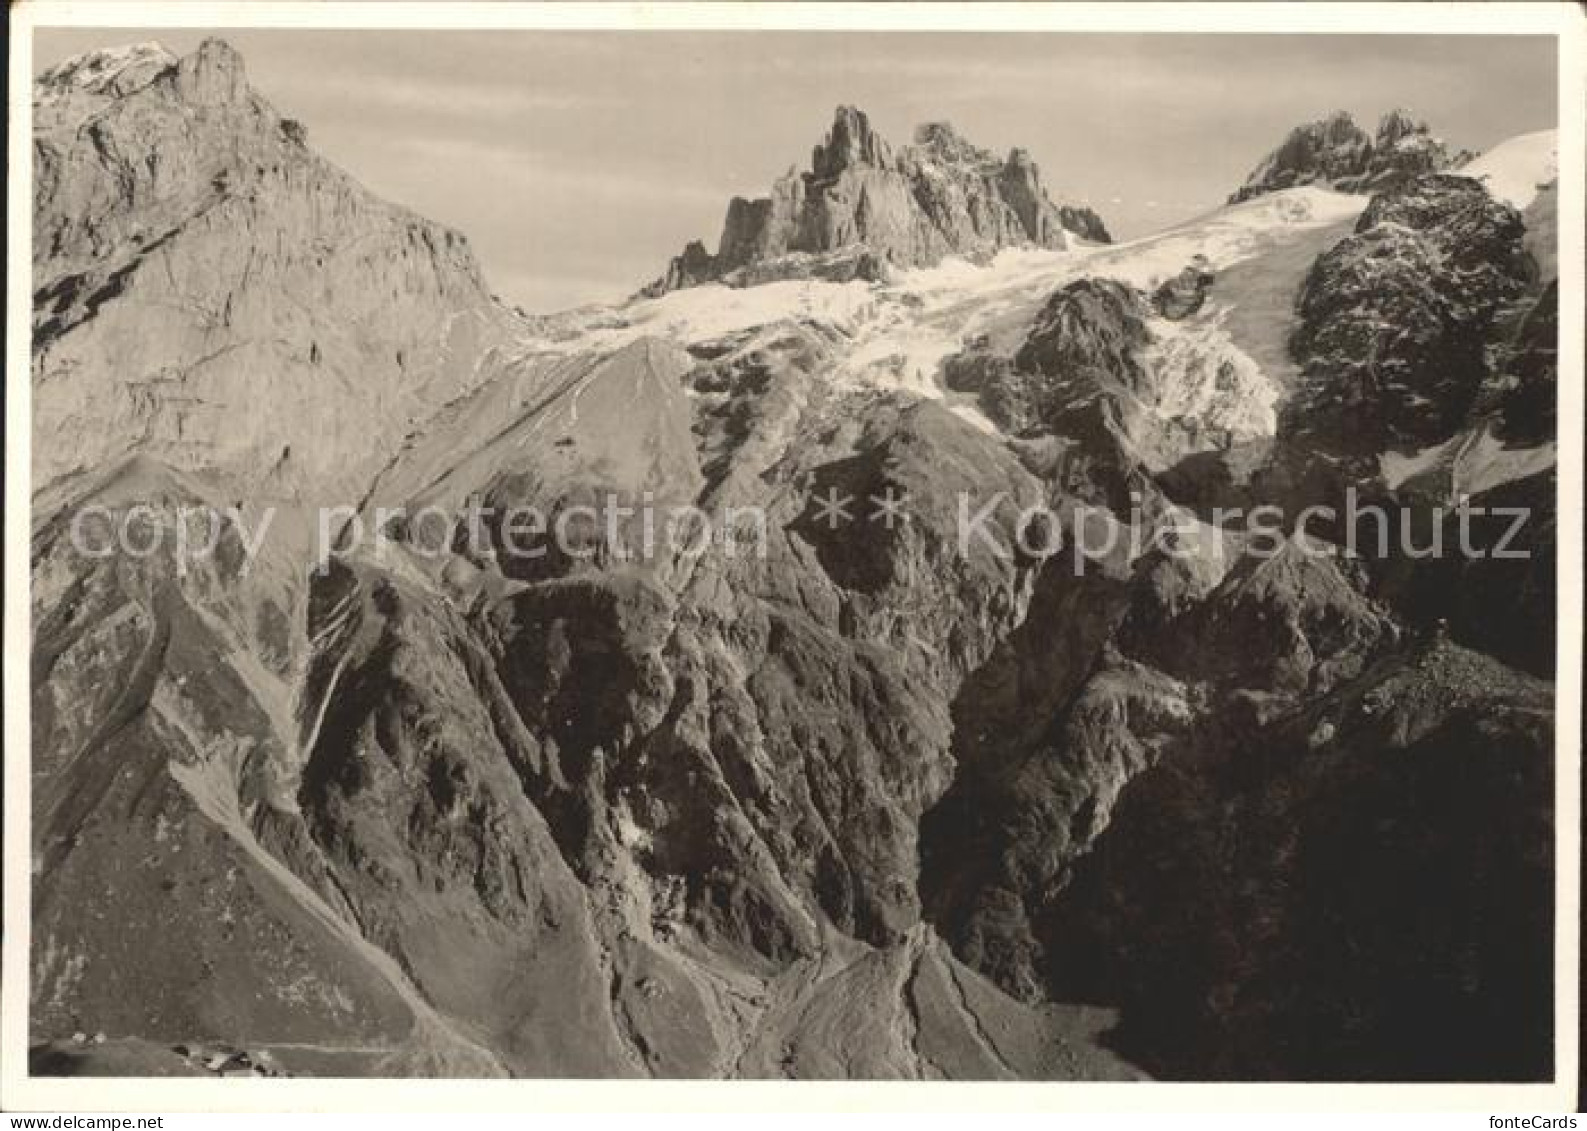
x=851 y=142
x=212 y=74
x=1336 y=152
x=864 y=205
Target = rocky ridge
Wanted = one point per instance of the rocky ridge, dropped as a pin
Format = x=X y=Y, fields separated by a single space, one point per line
x=1337 y=152
x=275 y=321
x=1436 y=259
x=863 y=206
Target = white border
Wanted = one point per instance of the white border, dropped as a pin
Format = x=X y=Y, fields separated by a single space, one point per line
x=19 y=1092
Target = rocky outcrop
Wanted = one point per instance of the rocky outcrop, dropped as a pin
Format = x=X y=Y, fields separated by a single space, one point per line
x=1185 y=293
x=1100 y=389
x=211 y=76
x=157 y=735
x=1395 y=320
x=1530 y=406
x=693 y=267
x=1251 y=899
x=411 y=785
x=1337 y=153
x=908 y=208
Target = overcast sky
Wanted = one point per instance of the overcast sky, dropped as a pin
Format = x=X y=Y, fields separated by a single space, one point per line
x=577 y=163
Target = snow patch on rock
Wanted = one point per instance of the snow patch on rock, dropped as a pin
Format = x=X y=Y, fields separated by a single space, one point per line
x=1474 y=460
x=113 y=70
x=1203 y=376
x=1516 y=169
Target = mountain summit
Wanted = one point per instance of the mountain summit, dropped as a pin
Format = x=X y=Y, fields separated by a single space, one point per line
x=260 y=283
x=862 y=205
x=1337 y=152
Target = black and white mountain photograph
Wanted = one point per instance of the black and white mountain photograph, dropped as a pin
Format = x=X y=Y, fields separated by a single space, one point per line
x=687 y=553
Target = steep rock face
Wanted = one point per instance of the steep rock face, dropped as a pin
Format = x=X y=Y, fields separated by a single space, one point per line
x=1291 y=621
x=1530 y=407
x=1044 y=748
x=257 y=284
x=695 y=266
x=910 y=207
x=157 y=742
x=1038 y=859
x=752 y=795
x=1426 y=340
x=412 y=786
x=1504 y=606
x=1114 y=671
x=1186 y=292
x=1422 y=344
x=1252 y=900
x=566 y=439
x=1336 y=151
x=1395 y=320
x=1489 y=575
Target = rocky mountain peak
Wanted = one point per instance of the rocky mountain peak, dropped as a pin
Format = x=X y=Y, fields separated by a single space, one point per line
x=212 y=74
x=850 y=142
x=110 y=72
x=171 y=184
x=1398 y=123
x=940 y=141
x=1340 y=123
x=1336 y=152
x=863 y=206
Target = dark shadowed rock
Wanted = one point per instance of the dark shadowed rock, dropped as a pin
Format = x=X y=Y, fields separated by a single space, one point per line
x=1395 y=319
x=1185 y=293
x=1254 y=902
